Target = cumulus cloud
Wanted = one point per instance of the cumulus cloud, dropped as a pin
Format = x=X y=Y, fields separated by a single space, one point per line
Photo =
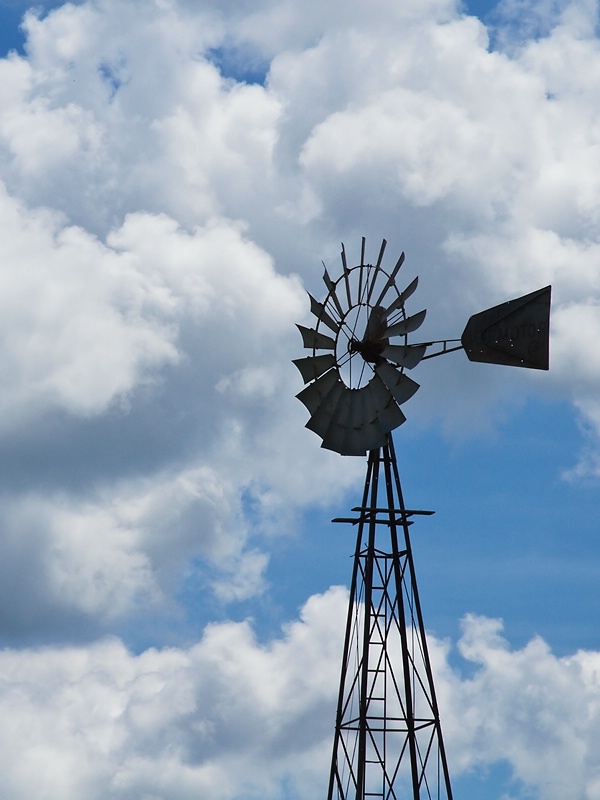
x=181 y=335
x=212 y=719
x=231 y=716
x=68 y=564
x=88 y=329
x=530 y=708
x=80 y=328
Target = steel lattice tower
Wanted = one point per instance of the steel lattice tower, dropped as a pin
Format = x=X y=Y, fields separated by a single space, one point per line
x=388 y=739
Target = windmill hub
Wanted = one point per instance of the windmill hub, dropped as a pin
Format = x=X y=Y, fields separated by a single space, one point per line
x=369 y=349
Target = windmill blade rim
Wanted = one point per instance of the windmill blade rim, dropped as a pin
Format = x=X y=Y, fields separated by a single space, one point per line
x=404 y=295
x=391 y=278
x=320 y=312
x=312 y=367
x=401 y=386
x=407 y=325
x=327 y=342
x=409 y=358
x=317 y=389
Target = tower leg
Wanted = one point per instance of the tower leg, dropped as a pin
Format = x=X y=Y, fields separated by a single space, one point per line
x=388 y=740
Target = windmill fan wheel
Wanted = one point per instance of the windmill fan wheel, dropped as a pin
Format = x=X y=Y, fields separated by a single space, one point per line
x=356 y=373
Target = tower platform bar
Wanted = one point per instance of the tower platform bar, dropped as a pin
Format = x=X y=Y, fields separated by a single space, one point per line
x=388 y=741
x=367 y=513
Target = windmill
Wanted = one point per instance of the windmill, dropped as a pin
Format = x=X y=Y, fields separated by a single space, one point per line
x=388 y=740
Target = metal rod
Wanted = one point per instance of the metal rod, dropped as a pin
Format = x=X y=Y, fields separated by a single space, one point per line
x=346 y=280
x=406 y=666
x=348 y=637
x=445 y=349
x=425 y=649
x=374 y=456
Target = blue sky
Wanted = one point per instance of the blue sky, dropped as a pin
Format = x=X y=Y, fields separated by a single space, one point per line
x=11 y=35
x=480 y=8
x=172 y=590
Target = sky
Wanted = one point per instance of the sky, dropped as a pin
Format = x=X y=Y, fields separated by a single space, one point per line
x=172 y=591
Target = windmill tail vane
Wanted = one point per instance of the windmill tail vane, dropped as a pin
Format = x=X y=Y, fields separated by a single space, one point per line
x=388 y=740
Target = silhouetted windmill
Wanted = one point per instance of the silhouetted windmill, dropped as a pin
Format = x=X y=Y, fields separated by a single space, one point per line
x=388 y=739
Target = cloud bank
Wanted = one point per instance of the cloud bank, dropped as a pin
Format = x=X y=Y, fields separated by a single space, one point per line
x=232 y=717
x=157 y=213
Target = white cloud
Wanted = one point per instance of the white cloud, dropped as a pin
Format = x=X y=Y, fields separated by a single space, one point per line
x=193 y=325
x=232 y=717
x=121 y=553
x=210 y=720
x=79 y=330
x=530 y=708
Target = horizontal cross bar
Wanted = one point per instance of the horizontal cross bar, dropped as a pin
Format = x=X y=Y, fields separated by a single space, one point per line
x=407 y=511
x=395 y=515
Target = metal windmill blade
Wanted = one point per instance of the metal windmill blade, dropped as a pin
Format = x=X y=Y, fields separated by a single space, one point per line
x=355 y=388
